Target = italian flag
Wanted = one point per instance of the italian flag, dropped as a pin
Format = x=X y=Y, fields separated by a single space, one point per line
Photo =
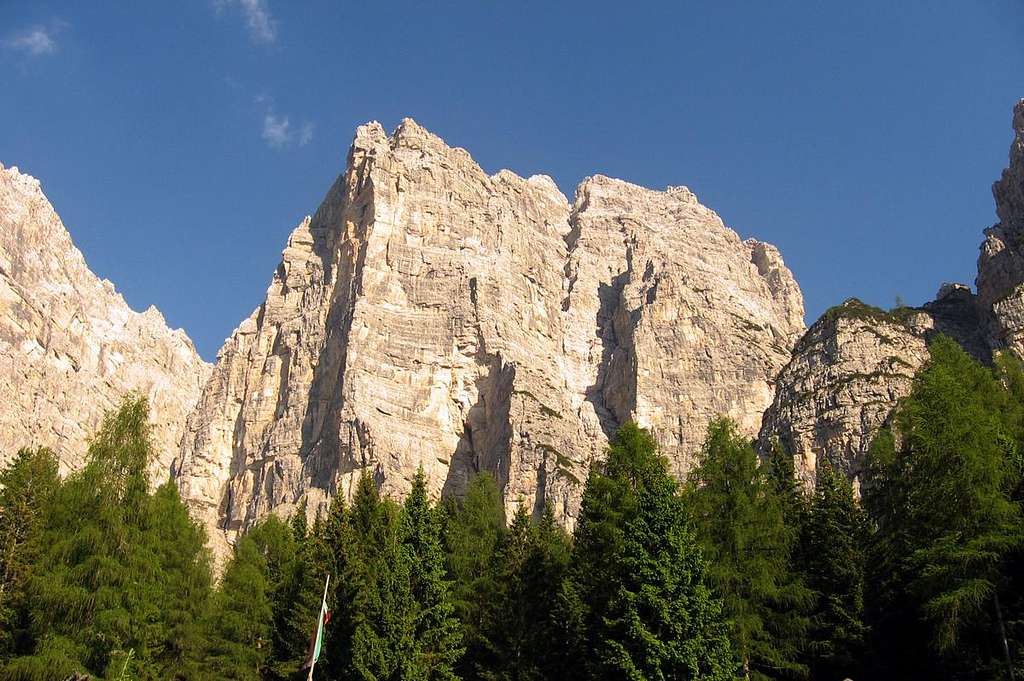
x=316 y=641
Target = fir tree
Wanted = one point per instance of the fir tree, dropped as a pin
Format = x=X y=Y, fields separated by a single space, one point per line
x=836 y=539
x=26 y=487
x=179 y=546
x=243 y=619
x=781 y=478
x=634 y=597
x=437 y=634
x=473 y=533
x=542 y=575
x=505 y=623
x=739 y=521
x=301 y=594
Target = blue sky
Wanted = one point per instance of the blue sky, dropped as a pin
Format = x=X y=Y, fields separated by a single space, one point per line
x=181 y=142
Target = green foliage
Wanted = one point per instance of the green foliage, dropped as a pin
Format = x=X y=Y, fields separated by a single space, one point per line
x=737 y=574
x=242 y=622
x=473 y=533
x=437 y=635
x=834 y=554
x=941 y=494
x=26 y=487
x=634 y=599
x=738 y=518
x=121 y=578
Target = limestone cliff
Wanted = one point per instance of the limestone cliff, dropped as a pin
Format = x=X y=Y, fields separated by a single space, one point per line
x=432 y=315
x=1001 y=261
x=855 y=364
x=71 y=348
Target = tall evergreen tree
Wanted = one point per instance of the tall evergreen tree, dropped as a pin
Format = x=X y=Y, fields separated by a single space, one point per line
x=242 y=618
x=26 y=487
x=941 y=494
x=781 y=478
x=111 y=556
x=437 y=634
x=634 y=598
x=179 y=546
x=473 y=532
x=739 y=521
x=542 y=575
x=301 y=592
x=835 y=544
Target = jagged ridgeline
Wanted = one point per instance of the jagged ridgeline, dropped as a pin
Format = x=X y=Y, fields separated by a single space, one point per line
x=431 y=315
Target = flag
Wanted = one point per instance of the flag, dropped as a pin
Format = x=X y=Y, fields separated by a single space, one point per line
x=316 y=641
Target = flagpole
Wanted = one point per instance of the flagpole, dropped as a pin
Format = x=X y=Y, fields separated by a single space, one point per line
x=323 y=602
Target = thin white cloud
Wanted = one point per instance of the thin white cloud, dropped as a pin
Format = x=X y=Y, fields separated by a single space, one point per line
x=37 y=41
x=278 y=131
x=258 y=20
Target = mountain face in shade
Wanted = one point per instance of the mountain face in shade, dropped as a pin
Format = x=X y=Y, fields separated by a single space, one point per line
x=430 y=315
x=71 y=348
x=856 y=362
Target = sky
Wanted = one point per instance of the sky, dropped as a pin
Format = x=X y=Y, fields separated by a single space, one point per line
x=181 y=142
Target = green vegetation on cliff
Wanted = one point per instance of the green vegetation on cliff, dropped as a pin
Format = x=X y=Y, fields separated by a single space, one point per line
x=737 y=574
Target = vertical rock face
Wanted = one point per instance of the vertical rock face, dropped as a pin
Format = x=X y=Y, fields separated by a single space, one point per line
x=855 y=364
x=71 y=348
x=431 y=315
x=851 y=369
x=847 y=373
x=1001 y=261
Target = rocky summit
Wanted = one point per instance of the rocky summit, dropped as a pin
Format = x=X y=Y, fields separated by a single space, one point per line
x=431 y=315
x=71 y=348
x=853 y=366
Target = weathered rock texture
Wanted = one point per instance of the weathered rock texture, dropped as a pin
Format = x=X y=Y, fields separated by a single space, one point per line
x=431 y=315
x=849 y=372
x=855 y=364
x=1001 y=261
x=71 y=348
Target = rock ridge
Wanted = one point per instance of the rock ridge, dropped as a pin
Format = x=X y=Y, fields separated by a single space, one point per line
x=71 y=348
x=429 y=314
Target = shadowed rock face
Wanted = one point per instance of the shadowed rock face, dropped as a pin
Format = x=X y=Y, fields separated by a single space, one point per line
x=1001 y=261
x=71 y=348
x=855 y=363
x=431 y=315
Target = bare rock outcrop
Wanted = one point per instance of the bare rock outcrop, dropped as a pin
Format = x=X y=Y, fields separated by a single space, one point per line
x=432 y=315
x=849 y=372
x=1001 y=261
x=71 y=348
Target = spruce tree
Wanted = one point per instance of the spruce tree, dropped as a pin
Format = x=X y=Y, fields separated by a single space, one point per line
x=179 y=546
x=781 y=478
x=275 y=541
x=437 y=634
x=835 y=544
x=301 y=591
x=739 y=521
x=26 y=487
x=506 y=621
x=473 y=532
x=634 y=598
x=242 y=619
x=542 y=575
